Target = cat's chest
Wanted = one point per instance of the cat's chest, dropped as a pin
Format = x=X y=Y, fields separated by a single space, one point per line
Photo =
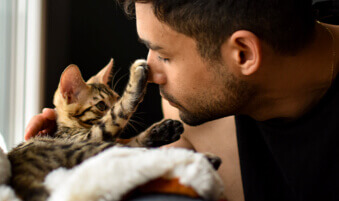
x=71 y=133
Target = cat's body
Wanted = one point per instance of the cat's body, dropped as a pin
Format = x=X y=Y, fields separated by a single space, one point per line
x=90 y=119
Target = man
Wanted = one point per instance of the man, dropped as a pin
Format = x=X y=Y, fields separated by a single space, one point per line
x=267 y=62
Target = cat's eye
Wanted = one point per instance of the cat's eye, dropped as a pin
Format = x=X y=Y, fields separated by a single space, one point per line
x=101 y=106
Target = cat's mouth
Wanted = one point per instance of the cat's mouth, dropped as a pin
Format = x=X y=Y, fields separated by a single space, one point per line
x=89 y=122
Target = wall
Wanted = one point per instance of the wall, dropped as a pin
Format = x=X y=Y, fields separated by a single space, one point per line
x=88 y=33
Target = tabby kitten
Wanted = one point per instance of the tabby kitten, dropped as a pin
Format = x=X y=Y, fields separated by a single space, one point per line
x=90 y=117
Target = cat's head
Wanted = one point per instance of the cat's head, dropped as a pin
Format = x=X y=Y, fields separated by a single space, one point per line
x=80 y=102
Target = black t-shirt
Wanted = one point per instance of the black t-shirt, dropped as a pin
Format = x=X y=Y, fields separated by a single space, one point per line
x=292 y=161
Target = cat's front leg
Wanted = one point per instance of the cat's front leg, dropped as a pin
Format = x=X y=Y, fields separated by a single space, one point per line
x=162 y=133
x=117 y=117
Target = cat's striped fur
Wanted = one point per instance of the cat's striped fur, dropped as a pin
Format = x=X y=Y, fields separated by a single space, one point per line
x=90 y=118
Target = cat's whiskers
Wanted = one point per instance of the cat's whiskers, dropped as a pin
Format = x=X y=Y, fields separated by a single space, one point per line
x=138 y=118
x=114 y=75
x=137 y=122
x=130 y=125
x=119 y=81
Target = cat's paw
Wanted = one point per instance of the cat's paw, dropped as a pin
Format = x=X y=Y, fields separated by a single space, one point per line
x=165 y=132
x=139 y=72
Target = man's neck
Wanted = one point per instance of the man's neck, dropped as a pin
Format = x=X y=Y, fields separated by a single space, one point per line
x=292 y=85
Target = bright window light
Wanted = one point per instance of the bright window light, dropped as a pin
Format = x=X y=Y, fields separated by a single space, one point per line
x=21 y=61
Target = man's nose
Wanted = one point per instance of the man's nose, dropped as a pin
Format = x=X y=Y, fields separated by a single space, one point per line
x=156 y=72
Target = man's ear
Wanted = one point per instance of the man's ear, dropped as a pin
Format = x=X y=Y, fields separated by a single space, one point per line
x=104 y=76
x=71 y=85
x=245 y=51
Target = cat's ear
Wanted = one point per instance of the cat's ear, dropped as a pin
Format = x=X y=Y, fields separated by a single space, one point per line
x=104 y=76
x=72 y=85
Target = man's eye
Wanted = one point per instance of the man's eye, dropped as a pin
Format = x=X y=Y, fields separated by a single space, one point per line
x=163 y=59
x=101 y=106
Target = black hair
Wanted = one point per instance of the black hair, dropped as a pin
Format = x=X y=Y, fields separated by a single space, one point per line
x=286 y=25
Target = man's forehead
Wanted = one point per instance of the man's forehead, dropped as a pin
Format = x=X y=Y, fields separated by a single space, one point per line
x=157 y=35
x=154 y=34
x=146 y=20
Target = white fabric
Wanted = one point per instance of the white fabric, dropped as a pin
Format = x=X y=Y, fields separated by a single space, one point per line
x=114 y=172
x=5 y=167
x=6 y=193
x=118 y=170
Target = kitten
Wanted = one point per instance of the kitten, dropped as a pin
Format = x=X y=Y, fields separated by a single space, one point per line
x=90 y=118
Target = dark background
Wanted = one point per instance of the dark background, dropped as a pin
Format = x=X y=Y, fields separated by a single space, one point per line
x=88 y=33
x=327 y=11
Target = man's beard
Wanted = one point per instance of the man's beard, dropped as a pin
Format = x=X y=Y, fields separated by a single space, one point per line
x=190 y=118
x=214 y=106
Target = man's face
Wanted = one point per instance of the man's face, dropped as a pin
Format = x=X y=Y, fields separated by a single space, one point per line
x=202 y=91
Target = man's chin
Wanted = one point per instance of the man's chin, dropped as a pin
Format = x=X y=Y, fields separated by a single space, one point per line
x=192 y=120
x=198 y=119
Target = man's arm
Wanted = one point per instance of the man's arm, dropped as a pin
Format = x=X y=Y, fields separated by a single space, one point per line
x=217 y=137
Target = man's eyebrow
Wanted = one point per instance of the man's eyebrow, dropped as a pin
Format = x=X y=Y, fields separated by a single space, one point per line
x=149 y=45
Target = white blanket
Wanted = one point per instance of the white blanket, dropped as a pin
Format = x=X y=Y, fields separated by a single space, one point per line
x=118 y=170
x=6 y=193
x=5 y=167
